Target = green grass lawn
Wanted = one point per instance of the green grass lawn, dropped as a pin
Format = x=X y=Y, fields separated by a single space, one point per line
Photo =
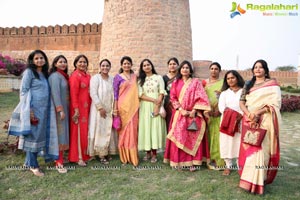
x=148 y=181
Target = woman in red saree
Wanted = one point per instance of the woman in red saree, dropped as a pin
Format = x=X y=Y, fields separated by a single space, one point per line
x=187 y=148
x=79 y=111
x=260 y=101
x=126 y=105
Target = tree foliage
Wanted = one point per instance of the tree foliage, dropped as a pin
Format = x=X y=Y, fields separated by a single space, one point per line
x=287 y=68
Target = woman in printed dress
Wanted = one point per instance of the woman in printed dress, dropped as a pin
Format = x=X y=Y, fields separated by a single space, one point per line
x=152 y=126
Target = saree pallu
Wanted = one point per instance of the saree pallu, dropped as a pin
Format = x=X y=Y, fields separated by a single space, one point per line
x=258 y=165
x=128 y=106
x=183 y=147
x=214 y=122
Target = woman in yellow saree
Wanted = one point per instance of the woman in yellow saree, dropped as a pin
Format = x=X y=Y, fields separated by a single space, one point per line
x=126 y=105
x=260 y=102
x=213 y=87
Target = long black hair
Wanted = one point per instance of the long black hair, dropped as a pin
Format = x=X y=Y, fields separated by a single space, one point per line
x=249 y=84
x=179 y=75
x=33 y=67
x=142 y=74
x=122 y=61
x=240 y=80
x=54 y=62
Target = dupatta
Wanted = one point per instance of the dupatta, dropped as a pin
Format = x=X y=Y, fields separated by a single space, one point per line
x=190 y=95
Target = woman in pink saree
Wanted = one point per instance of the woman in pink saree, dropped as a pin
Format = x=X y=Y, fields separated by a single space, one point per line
x=260 y=101
x=126 y=105
x=186 y=148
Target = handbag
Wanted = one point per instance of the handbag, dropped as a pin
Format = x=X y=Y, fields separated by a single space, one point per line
x=34 y=121
x=253 y=136
x=162 y=112
x=117 y=123
x=193 y=126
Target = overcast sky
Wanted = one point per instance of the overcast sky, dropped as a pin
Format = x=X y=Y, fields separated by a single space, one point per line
x=233 y=42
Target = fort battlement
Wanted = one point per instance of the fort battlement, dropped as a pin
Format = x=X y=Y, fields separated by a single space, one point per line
x=74 y=38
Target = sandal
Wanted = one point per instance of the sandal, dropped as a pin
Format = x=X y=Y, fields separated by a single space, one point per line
x=37 y=172
x=146 y=157
x=81 y=163
x=192 y=168
x=153 y=160
x=104 y=161
x=226 y=172
x=109 y=158
x=60 y=168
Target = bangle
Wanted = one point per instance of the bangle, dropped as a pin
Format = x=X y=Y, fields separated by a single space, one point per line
x=249 y=114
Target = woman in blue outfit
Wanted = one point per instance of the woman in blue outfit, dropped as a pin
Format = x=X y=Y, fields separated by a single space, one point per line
x=42 y=137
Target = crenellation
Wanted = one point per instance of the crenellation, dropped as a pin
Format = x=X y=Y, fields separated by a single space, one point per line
x=50 y=30
x=35 y=30
x=21 y=31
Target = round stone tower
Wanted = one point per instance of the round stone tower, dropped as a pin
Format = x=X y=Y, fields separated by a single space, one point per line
x=153 y=29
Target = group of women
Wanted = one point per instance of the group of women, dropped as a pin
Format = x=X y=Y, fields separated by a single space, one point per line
x=194 y=121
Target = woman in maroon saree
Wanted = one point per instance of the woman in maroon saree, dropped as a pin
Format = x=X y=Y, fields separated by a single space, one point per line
x=187 y=148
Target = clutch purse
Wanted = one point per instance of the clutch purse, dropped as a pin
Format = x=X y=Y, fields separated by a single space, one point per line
x=162 y=112
x=193 y=126
x=34 y=121
x=117 y=124
x=254 y=136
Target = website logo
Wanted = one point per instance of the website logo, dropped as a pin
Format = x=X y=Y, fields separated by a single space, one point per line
x=236 y=10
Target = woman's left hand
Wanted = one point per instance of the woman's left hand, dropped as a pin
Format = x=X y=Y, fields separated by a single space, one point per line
x=156 y=110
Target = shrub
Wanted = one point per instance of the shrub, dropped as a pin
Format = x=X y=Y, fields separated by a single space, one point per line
x=13 y=66
x=290 y=103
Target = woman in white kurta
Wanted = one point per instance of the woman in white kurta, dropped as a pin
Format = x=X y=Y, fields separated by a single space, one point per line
x=102 y=138
x=229 y=98
x=152 y=126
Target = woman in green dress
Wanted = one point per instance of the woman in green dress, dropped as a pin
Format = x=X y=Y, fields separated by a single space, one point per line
x=152 y=126
x=213 y=87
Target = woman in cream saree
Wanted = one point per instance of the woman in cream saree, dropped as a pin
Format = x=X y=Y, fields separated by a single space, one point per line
x=260 y=102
